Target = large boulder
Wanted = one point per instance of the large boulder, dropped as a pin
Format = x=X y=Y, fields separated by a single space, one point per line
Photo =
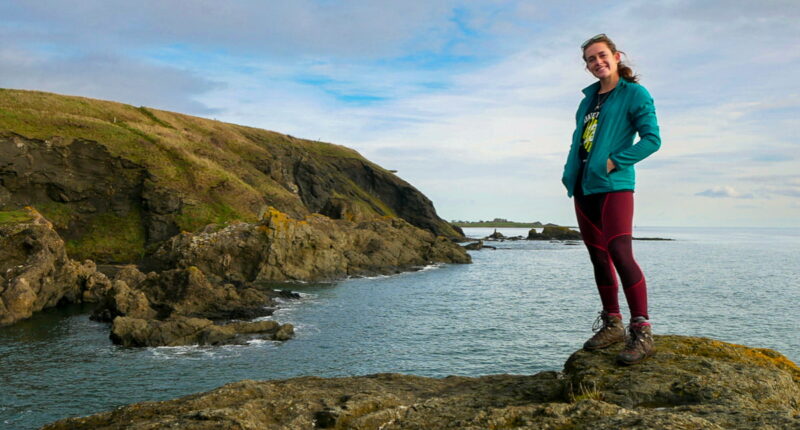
x=692 y=383
x=35 y=272
x=280 y=248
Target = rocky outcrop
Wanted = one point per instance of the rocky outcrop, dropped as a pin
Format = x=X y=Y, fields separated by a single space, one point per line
x=496 y=235
x=551 y=232
x=35 y=272
x=314 y=248
x=476 y=246
x=205 y=280
x=182 y=307
x=692 y=383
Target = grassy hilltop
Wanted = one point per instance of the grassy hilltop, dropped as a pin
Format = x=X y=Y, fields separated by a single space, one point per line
x=116 y=179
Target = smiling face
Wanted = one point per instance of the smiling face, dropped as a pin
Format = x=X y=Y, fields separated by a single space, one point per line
x=600 y=61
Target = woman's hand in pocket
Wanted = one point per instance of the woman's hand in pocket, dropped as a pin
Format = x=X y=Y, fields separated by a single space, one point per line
x=610 y=166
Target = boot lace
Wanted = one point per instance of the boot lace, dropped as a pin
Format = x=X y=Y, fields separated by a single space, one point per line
x=599 y=323
x=634 y=335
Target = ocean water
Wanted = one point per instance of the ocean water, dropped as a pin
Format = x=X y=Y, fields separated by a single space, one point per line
x=520 y=309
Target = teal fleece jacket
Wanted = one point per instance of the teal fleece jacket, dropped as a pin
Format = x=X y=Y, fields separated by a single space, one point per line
x=628 y=110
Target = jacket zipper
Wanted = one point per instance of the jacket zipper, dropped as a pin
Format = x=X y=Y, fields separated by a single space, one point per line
x=594 y=144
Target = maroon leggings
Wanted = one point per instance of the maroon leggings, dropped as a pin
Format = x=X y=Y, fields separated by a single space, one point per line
x=606 y=223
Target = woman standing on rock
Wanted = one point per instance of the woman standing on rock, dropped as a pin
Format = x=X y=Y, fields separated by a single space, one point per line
x=599 y=174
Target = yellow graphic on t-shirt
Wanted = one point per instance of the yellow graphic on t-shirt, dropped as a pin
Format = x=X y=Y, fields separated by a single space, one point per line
x=588 y=134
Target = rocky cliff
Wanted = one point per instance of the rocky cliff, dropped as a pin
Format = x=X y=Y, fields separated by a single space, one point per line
x=35 y=272
x=117 y=180
x=693 y=383
x=207 y=207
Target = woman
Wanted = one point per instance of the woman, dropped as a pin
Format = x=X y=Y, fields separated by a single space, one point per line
x=599 y=174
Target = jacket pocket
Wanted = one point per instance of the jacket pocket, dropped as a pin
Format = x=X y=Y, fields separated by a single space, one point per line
x=597 y=174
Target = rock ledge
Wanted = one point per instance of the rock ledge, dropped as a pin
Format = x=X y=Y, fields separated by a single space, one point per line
x=692 y=383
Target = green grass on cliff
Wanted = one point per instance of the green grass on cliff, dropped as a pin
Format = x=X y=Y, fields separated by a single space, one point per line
x=14 y=217
x=126 y=243
x=197 y=157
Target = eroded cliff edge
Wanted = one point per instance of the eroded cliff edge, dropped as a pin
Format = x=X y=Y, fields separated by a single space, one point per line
x=692 y=383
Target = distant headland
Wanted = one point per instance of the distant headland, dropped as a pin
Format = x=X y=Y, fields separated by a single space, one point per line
x=501 y=223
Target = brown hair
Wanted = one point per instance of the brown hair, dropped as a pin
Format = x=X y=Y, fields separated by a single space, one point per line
x=624 y=70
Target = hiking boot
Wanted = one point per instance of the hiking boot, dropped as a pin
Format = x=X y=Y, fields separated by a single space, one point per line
x=638 y=344
x=608 y=330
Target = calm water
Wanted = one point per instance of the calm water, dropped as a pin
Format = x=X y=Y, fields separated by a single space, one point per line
x=522 y=308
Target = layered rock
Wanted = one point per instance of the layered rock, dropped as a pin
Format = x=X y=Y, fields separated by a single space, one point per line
x=554 y=232
x=35 y=272
x=692 y=383
x=314 y=248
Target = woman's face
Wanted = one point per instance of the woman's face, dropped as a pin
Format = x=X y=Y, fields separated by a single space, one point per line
x=600 y=61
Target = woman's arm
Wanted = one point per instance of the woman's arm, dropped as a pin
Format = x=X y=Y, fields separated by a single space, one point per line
x=643 y=118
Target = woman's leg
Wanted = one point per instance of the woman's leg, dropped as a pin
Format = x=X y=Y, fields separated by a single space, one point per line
x=617 y=222
x=588 y=210
x=617 y=216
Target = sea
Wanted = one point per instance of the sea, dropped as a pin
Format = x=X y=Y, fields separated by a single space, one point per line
x=522 y=308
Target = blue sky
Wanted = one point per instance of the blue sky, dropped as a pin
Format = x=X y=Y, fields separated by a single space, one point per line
x=471 y=101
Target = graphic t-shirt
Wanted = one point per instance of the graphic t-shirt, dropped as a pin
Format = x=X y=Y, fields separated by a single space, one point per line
x=587 y=139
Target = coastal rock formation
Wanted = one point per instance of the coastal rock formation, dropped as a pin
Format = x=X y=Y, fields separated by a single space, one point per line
x=179 y=331
x=550 y=232
x=119 y=183
x=182 y=307
x=117 y=180
x=476 y=246
x=279 y=248
x=35 y=272
x=692 y=383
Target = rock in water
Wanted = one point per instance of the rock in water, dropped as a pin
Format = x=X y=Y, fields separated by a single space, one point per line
x=550 y=232
x=693 y=383
x=180 y=331
x=176 y=307
x=35 y=272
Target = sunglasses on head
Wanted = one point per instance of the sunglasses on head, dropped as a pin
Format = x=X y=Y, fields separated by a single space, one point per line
x=593 y=39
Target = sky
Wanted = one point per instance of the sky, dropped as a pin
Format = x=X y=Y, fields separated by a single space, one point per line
x=472 y=102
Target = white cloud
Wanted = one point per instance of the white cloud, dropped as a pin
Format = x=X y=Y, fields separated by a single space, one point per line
x=724 y=192
x=481 y=93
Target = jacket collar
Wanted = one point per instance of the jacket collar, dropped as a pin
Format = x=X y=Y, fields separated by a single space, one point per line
x=595 y=87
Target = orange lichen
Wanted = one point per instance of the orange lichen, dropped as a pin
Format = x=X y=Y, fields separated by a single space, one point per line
x=711 y=348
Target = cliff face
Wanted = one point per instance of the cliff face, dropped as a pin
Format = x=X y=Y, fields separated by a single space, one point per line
x=116 y=180
x=693 y=383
